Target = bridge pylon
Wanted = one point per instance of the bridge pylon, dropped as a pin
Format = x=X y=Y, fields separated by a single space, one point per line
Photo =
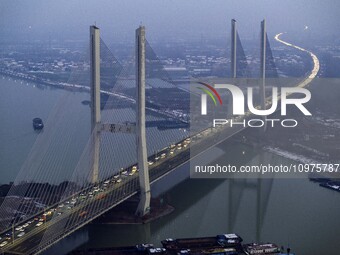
x=95 y=99
x=233 y=49
x=233 y=63
x=144 y=181
x=263 y=71
x=139 y=129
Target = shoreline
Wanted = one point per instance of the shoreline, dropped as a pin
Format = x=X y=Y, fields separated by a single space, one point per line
x=82 y=88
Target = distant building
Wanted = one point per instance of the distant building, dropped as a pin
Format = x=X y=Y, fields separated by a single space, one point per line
x=176 y=72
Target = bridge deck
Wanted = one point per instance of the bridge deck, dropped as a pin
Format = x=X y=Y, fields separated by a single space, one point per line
x=37 y=239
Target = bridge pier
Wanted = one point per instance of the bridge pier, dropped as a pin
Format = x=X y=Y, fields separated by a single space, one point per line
x=144 y=182
x=95 y=99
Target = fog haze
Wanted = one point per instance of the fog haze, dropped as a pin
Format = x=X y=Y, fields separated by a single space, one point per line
x=66 y=19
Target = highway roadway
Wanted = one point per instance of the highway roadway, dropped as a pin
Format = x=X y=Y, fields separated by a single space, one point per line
x=89 y=203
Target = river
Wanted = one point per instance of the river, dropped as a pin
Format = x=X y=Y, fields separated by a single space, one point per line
x=295 y=213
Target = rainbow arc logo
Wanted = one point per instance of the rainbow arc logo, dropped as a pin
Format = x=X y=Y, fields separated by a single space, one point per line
x=210 y=92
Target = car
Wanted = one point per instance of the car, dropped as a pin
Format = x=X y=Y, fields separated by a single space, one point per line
x=150 y=163
x=39 y=224
x=21 y=234
x=187 y=251
x=3 y=243
x=83 y=214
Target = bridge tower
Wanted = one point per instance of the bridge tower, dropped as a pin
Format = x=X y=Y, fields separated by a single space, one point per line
x=263 y=70
x=233 y=62
x=233 y=48
x=95 y=99
x=144 y=182
x=139 y=129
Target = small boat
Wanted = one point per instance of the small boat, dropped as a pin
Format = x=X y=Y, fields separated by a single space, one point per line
x=38 y=124
x=331 y=185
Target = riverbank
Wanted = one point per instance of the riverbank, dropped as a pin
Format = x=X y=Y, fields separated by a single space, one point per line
x=105 y=93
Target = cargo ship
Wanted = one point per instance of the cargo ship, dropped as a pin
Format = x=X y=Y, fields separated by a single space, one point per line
x=331 y=185
x=325 y=182
x=265 y=248
x=219 y=241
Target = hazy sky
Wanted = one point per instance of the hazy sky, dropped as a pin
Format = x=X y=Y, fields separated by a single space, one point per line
x=184 y=18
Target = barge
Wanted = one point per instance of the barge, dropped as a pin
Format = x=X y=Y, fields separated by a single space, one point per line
x=225 y=244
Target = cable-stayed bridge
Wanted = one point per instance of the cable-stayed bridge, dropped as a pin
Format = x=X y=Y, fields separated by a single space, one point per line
x=94 y=188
